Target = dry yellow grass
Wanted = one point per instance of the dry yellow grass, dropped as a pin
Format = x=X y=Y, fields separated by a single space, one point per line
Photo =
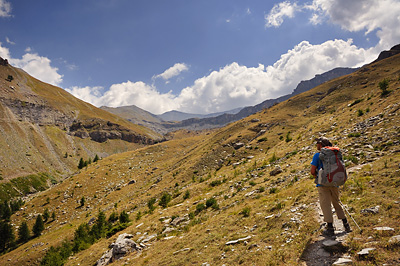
x=277 y=212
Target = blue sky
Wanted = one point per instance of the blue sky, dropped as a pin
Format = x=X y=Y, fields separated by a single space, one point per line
x=196 y=56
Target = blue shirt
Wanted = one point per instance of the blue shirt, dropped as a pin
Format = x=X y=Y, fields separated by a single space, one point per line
x=317 y=163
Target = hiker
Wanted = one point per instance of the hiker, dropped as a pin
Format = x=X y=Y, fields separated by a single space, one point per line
x=327 y=194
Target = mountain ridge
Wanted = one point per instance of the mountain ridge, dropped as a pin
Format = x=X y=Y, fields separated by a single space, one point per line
x=219 y=120
x=40 y=123
x=240 y=194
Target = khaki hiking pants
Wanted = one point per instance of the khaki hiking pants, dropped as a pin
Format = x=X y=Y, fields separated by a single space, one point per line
x=328 y=196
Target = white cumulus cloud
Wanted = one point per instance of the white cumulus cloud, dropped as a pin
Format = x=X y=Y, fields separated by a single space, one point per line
x=235 y=85
x=278 y=12
x=37 y=66
x=127 y=93
x=382 y=16
x=5 y=8
x=173 y=71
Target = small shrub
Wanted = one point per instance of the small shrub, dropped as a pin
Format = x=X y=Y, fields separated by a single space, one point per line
x=150 y=205
x=124 y=217
x=246 y=212
x=355 y=102
x=82 y=201
x=274 y=158
x=215 y=183
x=354 y=135
x=360 y=112
x=384 y=85
x=165 y=199
x=138 y=215
x=113 y=217
x=200 y=207
x=211 y=202
x=288 y=137
x=191 y=215
x=186 y=195
x=273 y=190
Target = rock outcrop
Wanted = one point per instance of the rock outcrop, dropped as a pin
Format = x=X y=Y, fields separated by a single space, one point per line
x=120 y=248
x=386 y=54
x=101 y=131
x=3 y=62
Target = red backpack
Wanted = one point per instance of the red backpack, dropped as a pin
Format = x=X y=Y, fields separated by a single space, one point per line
x=333 y=171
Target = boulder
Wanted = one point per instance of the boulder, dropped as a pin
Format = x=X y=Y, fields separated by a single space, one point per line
x=343 y=261
x=238 y=145
x=373 y=210
x=395 y=239
x=276 y=171
x=120 y=248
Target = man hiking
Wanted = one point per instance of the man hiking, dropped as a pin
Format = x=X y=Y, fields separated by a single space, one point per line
x=328 y=195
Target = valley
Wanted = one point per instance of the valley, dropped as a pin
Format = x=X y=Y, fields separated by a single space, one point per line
x=236 y=195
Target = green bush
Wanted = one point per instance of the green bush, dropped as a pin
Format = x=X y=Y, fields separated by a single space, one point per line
x=246 y=212
x=211 y=202
x=384 y=85
x=355 y=102
x=200 y=207
x=354 y=135
x=186 y=195
x=124 y=217
x=165 y=199
x=150 y=205
x=215 y=183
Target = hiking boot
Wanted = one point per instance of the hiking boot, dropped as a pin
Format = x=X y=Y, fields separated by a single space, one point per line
x=347 y=227
x=329 y=231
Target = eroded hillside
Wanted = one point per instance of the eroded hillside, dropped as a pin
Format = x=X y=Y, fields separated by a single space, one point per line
x=45 y=129
x=241 y=194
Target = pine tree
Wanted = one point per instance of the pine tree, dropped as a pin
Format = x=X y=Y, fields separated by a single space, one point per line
x=81 y=163
x=99 y=228
x=96 y=158
x=124 y=217
x=23 y=233
x=46 y=215
x=38 y=227
x=82 y=201
x=5 y=211
x=7 y=238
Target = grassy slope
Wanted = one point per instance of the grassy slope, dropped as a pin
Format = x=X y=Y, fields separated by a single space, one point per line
x=31 y=148
x=192 y=163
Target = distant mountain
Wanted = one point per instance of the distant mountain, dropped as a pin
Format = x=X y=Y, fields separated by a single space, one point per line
x=221 y=120
x=175 y=120
x=240 y=194
x=179 y=116
x=138 y=116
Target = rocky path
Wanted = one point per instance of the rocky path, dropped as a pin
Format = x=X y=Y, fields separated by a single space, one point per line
x=327 y=250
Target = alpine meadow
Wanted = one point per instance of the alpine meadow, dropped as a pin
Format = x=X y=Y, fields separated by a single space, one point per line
x=241 y=194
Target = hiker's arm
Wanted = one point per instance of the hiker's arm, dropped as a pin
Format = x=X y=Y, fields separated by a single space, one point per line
x=313 y=170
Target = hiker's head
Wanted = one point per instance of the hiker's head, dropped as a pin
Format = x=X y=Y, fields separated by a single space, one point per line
x=323 y=142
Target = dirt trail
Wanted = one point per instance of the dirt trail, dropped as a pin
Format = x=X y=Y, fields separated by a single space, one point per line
x=315 y=254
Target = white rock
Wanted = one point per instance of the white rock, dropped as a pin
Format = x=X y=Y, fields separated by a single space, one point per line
x=233 y=242
x=365 y=251
x=343 y=261
x=383 y=228
x=394 y=239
